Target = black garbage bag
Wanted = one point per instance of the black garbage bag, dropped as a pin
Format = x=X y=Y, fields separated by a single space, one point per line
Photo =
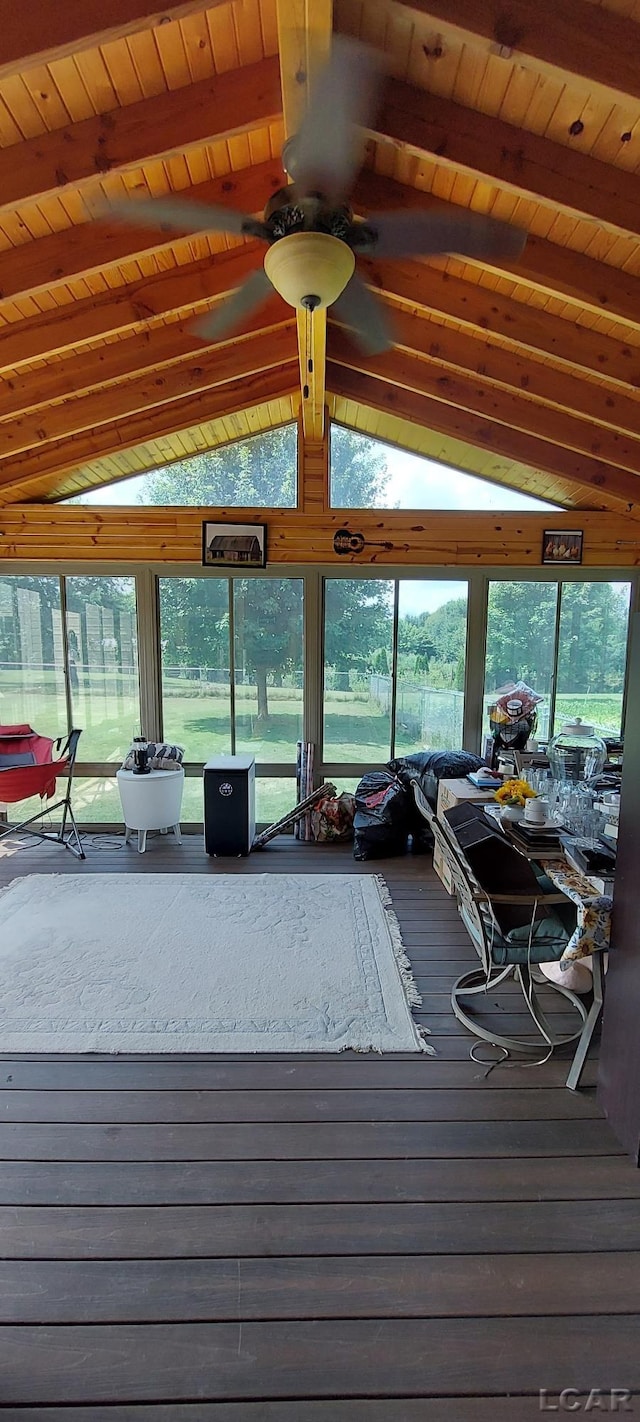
x=428 y=767
x=381 y=821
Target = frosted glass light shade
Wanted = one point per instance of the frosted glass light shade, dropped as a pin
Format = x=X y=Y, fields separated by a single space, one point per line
x=309 y=264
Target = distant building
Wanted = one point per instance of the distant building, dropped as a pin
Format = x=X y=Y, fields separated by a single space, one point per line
x=234 y=548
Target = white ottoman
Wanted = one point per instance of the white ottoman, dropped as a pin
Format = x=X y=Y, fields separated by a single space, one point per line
x=150 y=802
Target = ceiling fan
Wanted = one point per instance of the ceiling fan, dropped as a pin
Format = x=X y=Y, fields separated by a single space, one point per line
x=311 y=233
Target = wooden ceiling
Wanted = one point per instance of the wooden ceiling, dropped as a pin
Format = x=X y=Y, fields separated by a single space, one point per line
x=528 y=374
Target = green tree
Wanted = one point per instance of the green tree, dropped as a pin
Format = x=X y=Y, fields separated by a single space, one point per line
x=520 y=634
x=593 y=637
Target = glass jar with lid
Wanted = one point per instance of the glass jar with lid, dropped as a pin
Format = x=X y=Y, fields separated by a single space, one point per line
x=577 y=753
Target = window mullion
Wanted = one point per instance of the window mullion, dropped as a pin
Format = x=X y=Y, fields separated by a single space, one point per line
x=232 y=664
x=149 y=662
x=313 y=662
x=62 y=582
x=474 y=662
x=554 y=671
x=394 y=669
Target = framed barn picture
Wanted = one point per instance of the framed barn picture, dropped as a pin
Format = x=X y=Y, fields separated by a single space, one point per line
x=562 y=545
x=234 y=545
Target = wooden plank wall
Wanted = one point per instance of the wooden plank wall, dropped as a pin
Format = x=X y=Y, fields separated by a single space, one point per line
x=393 y=538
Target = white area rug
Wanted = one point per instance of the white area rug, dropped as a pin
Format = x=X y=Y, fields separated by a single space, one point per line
x=203 y=963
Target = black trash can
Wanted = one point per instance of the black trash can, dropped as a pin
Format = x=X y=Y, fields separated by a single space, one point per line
x=229 y=804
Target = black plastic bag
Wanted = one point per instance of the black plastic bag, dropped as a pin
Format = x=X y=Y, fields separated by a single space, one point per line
x=428 y=767
x=381 y=822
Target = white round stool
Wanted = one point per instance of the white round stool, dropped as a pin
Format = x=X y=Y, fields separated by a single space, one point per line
x=150 y=802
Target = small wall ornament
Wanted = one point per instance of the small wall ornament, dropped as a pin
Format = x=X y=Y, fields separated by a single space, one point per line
x=345 y=542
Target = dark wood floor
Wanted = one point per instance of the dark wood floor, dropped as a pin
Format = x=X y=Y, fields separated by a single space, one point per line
x=306 y=1238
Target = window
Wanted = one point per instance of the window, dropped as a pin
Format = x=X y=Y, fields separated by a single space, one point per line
x=568 y=641
x=432 y=634
x=32 y=686
x=103 y=664
x=221 y=696
x=358 y=657
x=521 y=631
x=367 y=474
x=196 y=687
x=268 y=666
x=592 y=653
x=260 y=472
x=362 y=694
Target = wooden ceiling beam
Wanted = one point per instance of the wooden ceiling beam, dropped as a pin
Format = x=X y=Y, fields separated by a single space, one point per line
x=89 y=247
x=559 y=271
x=147 y=350
x=485 y=416
x=209 y=111
x=124 y=309
x=556 y=405
x=304 y=40
x=19 y=476
x=525 y=327
x=594 y=45
x=469 y=350
x=33 y=35
x=215 y=366
x=468 y=141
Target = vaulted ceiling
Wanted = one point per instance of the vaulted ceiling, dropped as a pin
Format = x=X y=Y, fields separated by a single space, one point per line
x=527 y=373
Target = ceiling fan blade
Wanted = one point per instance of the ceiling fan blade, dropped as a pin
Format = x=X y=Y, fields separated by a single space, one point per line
x=232 y=313
x=365 y=316
x=326 y=153
x=179 y=215
x=427 y=234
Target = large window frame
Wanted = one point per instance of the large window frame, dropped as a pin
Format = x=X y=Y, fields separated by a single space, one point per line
x=148 y=632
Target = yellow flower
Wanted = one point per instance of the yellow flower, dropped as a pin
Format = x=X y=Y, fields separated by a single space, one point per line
x=515 y=792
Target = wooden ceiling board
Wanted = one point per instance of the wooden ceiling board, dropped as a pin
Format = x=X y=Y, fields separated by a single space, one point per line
x=35 y=34
x=209 y=435
x=37 y=476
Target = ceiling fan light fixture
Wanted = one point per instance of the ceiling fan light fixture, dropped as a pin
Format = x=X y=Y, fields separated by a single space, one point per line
x=309 y=269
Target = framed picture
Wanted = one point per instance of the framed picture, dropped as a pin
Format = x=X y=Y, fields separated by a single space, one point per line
x=234 y=545
x=562 y=545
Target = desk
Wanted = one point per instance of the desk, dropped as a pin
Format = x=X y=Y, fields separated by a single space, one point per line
x=593 y=929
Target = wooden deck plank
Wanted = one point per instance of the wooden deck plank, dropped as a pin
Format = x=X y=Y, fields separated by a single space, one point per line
x=319 y=1358
x=308 y=1141
x=272 y=1073
x=401 y=1286
x=236 y=1231
x=389 y=1409
x=295 y=1182
x=188 y=1106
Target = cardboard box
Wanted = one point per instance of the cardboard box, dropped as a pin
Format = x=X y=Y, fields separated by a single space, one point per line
x=453 y=792
x=442 y=870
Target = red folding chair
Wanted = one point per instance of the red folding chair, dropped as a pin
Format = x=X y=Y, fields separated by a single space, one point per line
x=30 y=765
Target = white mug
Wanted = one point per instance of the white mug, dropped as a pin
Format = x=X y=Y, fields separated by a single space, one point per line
x=534 y=811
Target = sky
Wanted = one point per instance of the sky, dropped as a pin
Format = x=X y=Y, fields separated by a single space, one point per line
x=415 y=482
x=419 y=483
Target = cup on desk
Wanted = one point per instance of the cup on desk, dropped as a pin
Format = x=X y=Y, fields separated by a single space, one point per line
x=536 y=812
